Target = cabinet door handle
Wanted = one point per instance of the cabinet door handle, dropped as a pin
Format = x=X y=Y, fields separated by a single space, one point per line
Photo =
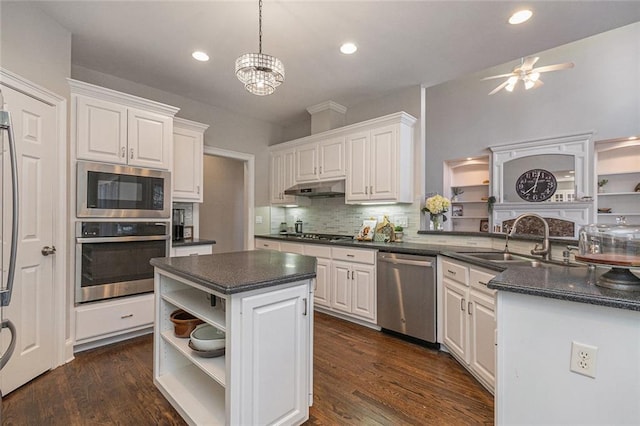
x=483 y=283
x=314 y=170
x=348 y=275
x=371 y=189
x=351 y=255
x=305 y=306
x=320 y=169
x=366 y=189
x=126 y=316
x=462 y=305
x=198 y=189
x=451 y=272
x=131 y=153
x=123 y=152
x=469 y=308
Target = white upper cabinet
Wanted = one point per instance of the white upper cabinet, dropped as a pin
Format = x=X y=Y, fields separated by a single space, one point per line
x=283 y=177
x=380 y=164
x=321 y=161
x=118 y=128
x=188 y=152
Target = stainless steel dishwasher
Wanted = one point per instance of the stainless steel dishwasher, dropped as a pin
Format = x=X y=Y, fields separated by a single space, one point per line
x=407 y=295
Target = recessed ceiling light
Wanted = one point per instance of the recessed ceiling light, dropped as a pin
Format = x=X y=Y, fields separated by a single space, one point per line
x=633 y=138
x=469 y=158
x=348 y=48
x=520 y=16
x=200 y=56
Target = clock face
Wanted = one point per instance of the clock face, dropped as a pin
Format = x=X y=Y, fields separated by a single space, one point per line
x=536 y=185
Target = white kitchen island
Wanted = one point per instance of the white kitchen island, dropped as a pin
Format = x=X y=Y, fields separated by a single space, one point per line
x=264 y=302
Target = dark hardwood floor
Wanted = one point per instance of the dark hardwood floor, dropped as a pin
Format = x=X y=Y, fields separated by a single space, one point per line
x=361 y=377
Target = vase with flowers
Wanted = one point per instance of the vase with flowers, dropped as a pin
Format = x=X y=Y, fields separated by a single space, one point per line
x=437 y=206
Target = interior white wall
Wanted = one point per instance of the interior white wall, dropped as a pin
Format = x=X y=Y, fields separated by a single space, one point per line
x=600 y=93
x=35 y=46
x=535 y=386
x=221 y=213
x=227 y=130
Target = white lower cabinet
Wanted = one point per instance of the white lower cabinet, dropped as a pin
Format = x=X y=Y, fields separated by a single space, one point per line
x=345 y=277
x=353 y=283
x=469 y=319
x=109 y=319
x=260 y=377
x=196 y=250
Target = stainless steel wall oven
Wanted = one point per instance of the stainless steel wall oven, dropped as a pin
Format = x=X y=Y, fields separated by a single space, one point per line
x=112 y=258
x=109 y=190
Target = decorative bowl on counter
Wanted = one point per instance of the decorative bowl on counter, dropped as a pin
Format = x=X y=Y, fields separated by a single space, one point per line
x=613 y=246
x=206 y=337
x=183 y=323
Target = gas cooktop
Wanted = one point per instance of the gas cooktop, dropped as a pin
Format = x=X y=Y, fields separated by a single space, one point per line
x=319 y=237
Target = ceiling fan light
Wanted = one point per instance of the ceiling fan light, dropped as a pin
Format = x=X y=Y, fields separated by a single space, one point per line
x=534 y=76
x=509 y=87
x=512 y=81
x=528 y=84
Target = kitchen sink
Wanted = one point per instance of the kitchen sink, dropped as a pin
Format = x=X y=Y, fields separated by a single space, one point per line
x=502 y=258
x=498 y=256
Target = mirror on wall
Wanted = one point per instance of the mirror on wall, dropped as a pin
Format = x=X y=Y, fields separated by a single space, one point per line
x=562 y=166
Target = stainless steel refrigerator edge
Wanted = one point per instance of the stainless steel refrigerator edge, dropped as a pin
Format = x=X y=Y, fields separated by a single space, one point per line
x=5 y=292
x=407 y=295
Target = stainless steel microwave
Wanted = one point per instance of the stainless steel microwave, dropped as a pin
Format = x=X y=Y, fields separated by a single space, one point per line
x=109 y=190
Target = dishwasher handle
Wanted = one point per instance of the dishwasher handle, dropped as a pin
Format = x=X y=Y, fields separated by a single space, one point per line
x=397 y=261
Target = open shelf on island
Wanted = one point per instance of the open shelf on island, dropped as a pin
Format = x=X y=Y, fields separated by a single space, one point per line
x=214 y=367
x=195 y=302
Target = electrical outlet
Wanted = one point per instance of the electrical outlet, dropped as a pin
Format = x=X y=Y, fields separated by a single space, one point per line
x=258 y=219
x=583 y=359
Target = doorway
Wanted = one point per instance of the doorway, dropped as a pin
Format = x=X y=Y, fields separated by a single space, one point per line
x=226 y=212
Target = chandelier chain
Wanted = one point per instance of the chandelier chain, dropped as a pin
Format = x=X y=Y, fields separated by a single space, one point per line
x=260 y=26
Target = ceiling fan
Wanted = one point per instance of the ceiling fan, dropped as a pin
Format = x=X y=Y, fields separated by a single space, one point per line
x=527 y=74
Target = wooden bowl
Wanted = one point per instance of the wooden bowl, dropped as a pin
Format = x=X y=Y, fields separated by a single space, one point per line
x=183 y=323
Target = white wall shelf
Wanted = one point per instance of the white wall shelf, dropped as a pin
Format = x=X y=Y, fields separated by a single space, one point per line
x=472 y=176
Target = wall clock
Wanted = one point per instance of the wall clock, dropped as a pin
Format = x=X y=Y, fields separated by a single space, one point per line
x=536 y=185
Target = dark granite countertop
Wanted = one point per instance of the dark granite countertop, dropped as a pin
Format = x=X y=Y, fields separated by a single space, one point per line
x=576 y=284
x=230 y=273
x=192 y=242
x=404 y=247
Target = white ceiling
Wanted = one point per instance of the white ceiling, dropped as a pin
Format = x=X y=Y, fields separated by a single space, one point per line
x=401 y=44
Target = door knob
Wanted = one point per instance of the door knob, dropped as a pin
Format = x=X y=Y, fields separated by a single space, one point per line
x=46 y=250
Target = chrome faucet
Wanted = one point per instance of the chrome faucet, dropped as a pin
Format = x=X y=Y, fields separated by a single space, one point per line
x=545 y=250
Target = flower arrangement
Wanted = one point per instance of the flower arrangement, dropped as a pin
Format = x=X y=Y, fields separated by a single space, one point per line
x=437 y=204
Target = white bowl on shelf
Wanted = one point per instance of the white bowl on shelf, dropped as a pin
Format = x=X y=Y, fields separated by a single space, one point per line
x=206 y=337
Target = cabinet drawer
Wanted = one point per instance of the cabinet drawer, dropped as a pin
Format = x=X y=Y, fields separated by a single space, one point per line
x=478 y=279
x=267 y=245
x=354 y=255
x=107 y=318
x=193 y=250
x=455 y=272
x=317 y=250
x=292 y=248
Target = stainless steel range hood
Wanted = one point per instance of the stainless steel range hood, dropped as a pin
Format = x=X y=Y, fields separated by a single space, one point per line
x=334 y=188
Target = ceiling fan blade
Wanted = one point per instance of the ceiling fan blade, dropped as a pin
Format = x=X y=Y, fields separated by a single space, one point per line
x=498 y=76
x=500 y=87
x=555 y=67
x=528 y=63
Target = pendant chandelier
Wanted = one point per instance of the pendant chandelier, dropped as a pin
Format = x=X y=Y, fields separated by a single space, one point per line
x=260 y=73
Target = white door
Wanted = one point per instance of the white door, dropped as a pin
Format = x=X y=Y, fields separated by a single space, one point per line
x=187 y=165
x=341 y=286
x=383 y=163
x=364 y=291
x=102 y=130
x=274 y=347
x=150 y=138
x=358 y=167
x=455 y=321
x=482 y=324
x=323 y=274
x=332 y=158
x=307 y=163
x=31 y=307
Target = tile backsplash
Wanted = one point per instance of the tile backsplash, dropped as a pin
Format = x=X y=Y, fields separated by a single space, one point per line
x=333 y=216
